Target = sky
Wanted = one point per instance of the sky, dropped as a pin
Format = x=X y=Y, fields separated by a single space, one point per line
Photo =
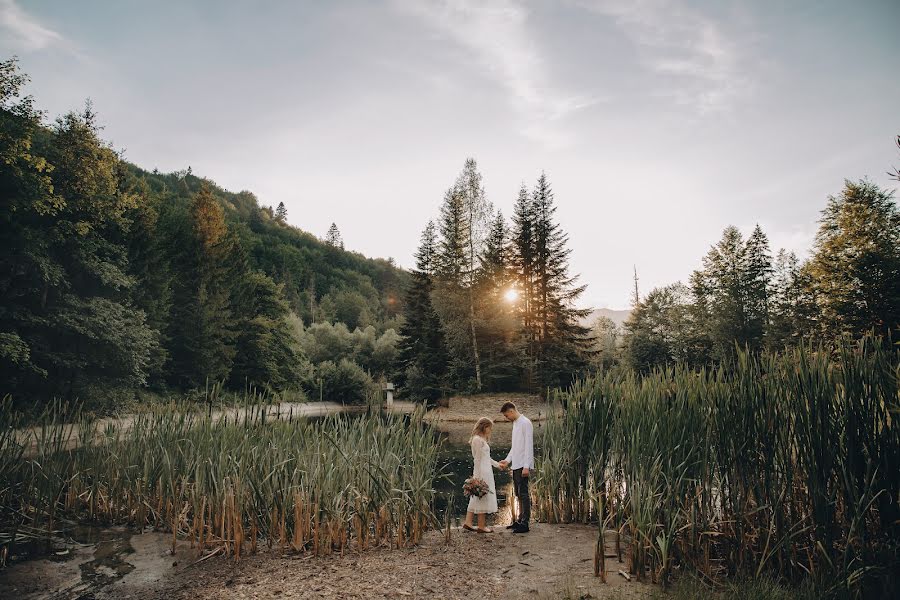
x=658 y=122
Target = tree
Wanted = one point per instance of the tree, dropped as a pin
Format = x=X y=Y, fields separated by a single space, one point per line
x=203 y=326
x=66 y=305
x=522 y=263
x=333 y=237
x=496 y=312
x=463 y=221
x=605 y=334
x=663 y=329
x=855 y=268
x=731 y=291
x=264 y=352
x=281 y=213
x=422 y=359
x=792 y=303
x=563 y=344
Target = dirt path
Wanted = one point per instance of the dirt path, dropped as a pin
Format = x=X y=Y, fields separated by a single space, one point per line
x=552 y=561
x=285 y=410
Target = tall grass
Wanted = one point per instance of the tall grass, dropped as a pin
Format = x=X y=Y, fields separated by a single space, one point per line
x=226 y=483
x=784 y=464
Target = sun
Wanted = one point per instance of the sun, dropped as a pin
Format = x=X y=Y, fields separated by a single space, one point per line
x=511 y=295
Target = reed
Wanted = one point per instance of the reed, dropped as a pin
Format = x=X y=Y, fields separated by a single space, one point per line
x=320 y=486
x=778 y=464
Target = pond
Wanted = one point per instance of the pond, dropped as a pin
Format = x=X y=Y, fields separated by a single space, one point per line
x=78 y=560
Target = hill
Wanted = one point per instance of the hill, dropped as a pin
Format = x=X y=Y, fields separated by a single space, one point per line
x=321 y=281
x=618 y=316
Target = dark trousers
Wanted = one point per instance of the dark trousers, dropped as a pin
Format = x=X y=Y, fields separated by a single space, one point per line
x=520 y=487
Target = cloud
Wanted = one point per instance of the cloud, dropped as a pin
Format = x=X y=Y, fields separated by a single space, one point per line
x=496 y=33
x=24 y=29
x=697 y=62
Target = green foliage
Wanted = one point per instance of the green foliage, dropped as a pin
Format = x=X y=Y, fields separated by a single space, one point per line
x=113 y=277
x=345 y=382
x=856 y=267
x=66 y=314
x=422 y=358
x=223 y=480
x=770 y=464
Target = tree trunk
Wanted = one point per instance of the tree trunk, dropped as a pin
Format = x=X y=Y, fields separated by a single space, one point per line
x=474 y=339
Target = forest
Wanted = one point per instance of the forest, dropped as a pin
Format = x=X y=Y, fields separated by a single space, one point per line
x=117 y=281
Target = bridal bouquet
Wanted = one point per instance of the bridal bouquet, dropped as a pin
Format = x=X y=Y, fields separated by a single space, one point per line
x=476 y=487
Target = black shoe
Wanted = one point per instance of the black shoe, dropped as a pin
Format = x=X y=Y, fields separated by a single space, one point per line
x=520 y=528
x=513 y=525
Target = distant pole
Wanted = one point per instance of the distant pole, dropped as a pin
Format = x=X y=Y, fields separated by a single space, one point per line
x=636 y=296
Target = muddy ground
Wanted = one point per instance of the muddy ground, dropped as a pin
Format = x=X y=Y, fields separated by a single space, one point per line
x=551 y=561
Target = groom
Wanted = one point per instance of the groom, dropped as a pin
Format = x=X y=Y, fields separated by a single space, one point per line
x=521 y=459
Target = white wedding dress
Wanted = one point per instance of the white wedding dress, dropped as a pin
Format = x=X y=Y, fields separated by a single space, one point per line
x=483 y=469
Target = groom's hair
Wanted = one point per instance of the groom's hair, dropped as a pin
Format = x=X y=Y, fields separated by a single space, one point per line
x=507 y=406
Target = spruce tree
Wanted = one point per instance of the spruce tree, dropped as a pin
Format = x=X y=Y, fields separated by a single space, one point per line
x=855 y=269
x=522 y=265
x=281 y=213
x=497 y=318
x=422 y=360
x=731 y=291
x=563 y=344
x=333 y=237
x=203 y=327
x=792 y=307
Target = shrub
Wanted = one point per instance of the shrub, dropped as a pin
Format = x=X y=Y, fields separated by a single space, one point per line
x=344 y=382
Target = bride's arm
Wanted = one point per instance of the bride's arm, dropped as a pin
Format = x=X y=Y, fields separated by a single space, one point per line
x=477 y=449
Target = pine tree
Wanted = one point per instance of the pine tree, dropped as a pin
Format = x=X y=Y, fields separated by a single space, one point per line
x=757 y=276
x=855 y=269
x=731 y=291
x=281 y=213
x=422 y=360
x=333 y=237
x=522 y=263
x=203 y=327
x=792 y=307
x=501 y=365
x=563 y=344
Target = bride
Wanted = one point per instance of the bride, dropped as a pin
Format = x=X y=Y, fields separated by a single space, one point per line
x=481 y=454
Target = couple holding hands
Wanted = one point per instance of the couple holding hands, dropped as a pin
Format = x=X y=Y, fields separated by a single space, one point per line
x=520 y=459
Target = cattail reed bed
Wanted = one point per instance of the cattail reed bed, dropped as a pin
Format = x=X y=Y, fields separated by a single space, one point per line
x=318 y=486
x=785 y=465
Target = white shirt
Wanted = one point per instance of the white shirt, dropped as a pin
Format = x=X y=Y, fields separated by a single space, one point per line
x=521 y=454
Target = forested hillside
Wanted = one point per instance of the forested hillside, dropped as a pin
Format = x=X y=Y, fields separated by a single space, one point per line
x=114 y=279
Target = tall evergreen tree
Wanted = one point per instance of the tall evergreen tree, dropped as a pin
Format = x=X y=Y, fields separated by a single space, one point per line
x=855 y=269
x=501 y=365
x=731 y=291
x=203 y=327
x=522 y=262
x=422 y=361
x=333 y=237
x=281 y=213
x=563 y=344
x=792 y=306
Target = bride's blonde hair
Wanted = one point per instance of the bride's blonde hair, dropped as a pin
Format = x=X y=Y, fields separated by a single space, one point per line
x=483 y=424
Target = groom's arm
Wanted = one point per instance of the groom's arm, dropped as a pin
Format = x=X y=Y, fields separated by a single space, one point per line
x=528 y=448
